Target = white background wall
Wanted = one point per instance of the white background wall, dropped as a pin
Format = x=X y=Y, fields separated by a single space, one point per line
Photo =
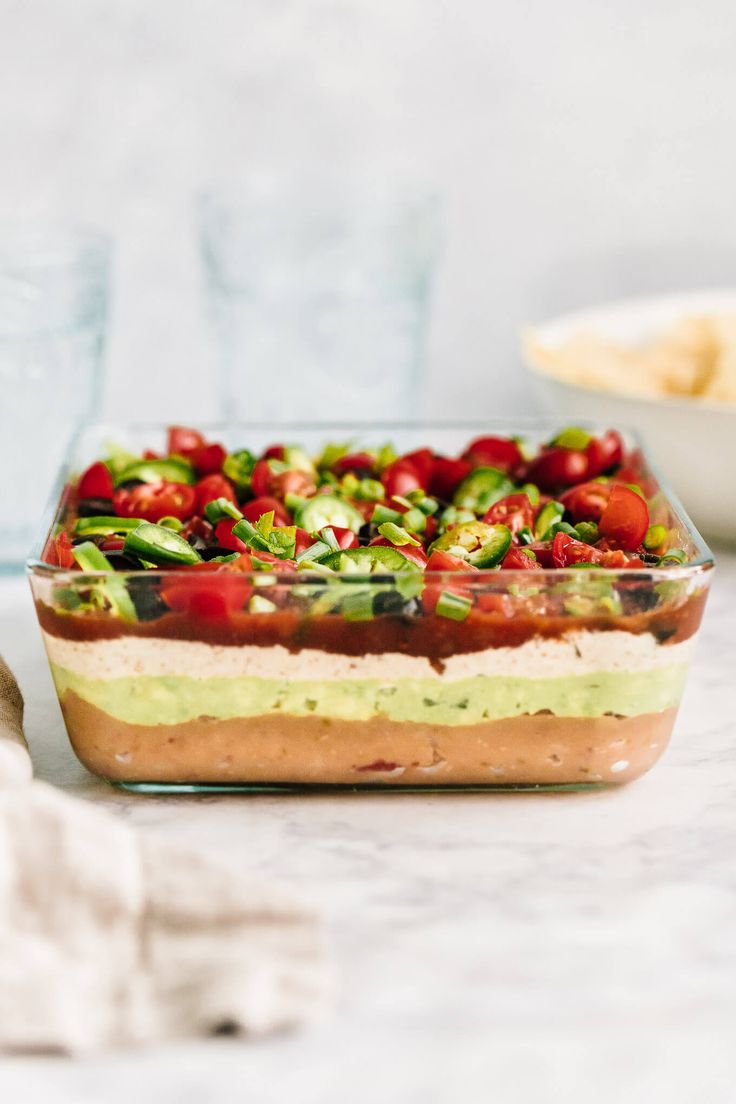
x=585 y=149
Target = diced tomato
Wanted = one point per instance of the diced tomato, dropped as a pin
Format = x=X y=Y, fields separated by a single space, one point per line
x=275 y=452
x=277 y=564
x=256 y=508
x=360 y=463
x=401 y=478
x=516 y=559
x=543 y=551
x=495 y=603
x=515 y=511
x=412 y=553
x=96 y=482
x=345 y=538
x=208 y=459
x=211 y=487
x=625 y=519
x=197 y=527
x=566 y=551
x=260 y=479
x=207 y=591
x=556 y=468
x=153 y=501
x=295 y=482
x=423 y=461
x=445 y=562
x=182 y=440
x=303 y=541
x=493 y=452
x=447 y=475
x=151 y=454
x=587 y=501
x=224 y=536
x=604 y=453
x=58 y=551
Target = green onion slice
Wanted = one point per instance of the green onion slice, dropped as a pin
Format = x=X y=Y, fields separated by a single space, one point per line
x=455 y=606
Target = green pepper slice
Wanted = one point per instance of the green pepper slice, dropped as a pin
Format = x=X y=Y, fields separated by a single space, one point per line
x=324 y=510
x=479 y=490
x=104 y=526
x=159 y=545
x=90 y=558
x=172 y=470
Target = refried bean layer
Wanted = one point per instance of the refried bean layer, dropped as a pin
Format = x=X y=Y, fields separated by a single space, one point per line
x=536 y=749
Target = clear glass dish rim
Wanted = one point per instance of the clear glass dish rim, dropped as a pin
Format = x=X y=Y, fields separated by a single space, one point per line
x=507 y=426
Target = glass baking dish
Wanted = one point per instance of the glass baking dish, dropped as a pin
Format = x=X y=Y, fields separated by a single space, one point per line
x=557 y=679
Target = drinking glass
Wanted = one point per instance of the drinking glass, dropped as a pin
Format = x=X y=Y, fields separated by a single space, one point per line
x=319 y=299
x=53 y=305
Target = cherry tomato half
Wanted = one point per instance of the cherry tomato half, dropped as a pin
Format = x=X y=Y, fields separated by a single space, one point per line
x=566 y=551
x=401 y=478
x=96 y=482
x=516 y=559
x=360 y=463
x=556 y=468
x=604 y=453
x=587 y=501
x=493 y=452
x=153 y=501
x=207 y=591
x=207 y=459
x=182 y=440
x=255 y=509
x=447 y=475
x=345 y=538
x=625 y=519
x=515 y=511
x=211 y=487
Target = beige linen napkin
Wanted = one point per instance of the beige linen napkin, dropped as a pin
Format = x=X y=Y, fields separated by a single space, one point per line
x=110 y=937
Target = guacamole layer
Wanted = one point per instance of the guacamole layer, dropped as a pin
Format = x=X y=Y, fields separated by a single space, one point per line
x=177 y=699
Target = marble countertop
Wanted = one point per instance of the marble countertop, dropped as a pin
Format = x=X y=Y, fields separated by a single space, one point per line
x=508 y=947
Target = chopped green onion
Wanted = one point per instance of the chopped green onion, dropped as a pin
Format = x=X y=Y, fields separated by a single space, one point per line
x=104 y=526
x=328 y=536
x=525 y=535
x=314 y=552
x=368 y=490
x=402 y=501
x=247 y=532
x=221 y=508
x=397 y=535
x=674 y=555
x=655 y=537
x=415 y=520
x=562 y=527
x=531 y=490
x=572 y=438
x=294 y=502
x=159 y=545
x=382 y=514
x=587 y=531
x=259 y=604
x=455 y=606
x=548 y=516
x=238 y=467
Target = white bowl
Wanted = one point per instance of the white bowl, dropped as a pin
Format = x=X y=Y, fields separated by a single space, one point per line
x=693 y=442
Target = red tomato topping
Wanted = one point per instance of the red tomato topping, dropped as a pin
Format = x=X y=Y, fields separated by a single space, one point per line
x=58 y=551
x=514 y=511
x=207 y=458
x=566 y=551
x=211 y=487
x=96 y=482
x=587 y=501
x=412 y=553
x=556 y=468
x=604 y=453
x=260 y=479
x=493 y=452
x=294 y=482
x=255 y=509
x=153 y=501
x=517 y=560
x=275 y=452
x=423 y=461
x=197 y=527
x=495 y=603
x=358 y=462
x=182 y=439
x=303 y=541
x=208 y=597
x=345 y=538
x=444 y=561
x=225 y=539
x=625 y=519
x=447 y=475
x=401 y=478
x=112 y=544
